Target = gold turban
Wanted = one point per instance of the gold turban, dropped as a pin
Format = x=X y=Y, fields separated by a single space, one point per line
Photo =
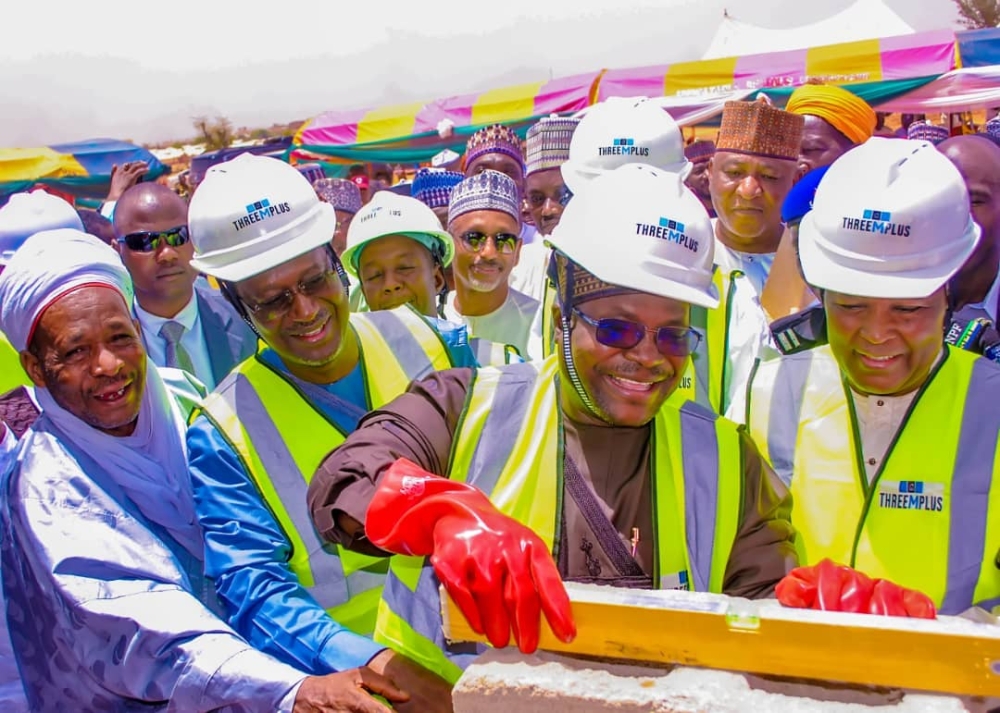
x=843 y=110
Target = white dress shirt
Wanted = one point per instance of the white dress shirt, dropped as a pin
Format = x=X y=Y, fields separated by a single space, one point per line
x=530 y=273
x=509 y=324
x=879 y=419
x=193 y=340
x=749 y=329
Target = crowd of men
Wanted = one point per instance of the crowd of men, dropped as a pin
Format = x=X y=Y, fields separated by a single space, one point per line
x=247 y=434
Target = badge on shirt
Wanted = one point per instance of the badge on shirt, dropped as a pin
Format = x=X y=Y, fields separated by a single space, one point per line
x=911 y=495
x=677 y=580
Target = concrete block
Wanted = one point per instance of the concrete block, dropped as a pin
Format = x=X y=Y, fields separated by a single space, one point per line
x=506 y=681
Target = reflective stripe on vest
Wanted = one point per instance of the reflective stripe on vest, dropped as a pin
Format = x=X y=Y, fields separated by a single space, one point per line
x=509 y=444
x=281 y=438
x=489 y=353
x=705 y=381
x=417 y=347
x=970 y=530
x=923 y=521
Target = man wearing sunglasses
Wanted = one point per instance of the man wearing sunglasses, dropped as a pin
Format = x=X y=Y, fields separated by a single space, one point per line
x=185 y=323
x=484 y=218
x=546 y=195
x=258 y=227
x=581 y=455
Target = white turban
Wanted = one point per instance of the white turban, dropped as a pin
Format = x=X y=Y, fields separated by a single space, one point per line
x=48 y=266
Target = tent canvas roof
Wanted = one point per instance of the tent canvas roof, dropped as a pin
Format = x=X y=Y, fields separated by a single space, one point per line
x=863 y=20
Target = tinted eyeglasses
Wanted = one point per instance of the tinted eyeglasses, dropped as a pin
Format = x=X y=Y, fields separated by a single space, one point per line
x=149 y=241
x=625 y=334
x=504 y=242
x=281 y=303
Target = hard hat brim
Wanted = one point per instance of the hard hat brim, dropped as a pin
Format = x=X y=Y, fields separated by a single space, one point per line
x=576 y=176
x=871 y=277
x=321 y=232
x=649 y=276
x=445 y=240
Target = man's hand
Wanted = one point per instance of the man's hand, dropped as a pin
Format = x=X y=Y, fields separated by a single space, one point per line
x=347 y=692
x=428 y=691
x=125 y=177
x=500 y=573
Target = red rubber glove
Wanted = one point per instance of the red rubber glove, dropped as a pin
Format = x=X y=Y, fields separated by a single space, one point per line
x=826 y=586
x=500 y=574
x=831 y=587
x=890 y=599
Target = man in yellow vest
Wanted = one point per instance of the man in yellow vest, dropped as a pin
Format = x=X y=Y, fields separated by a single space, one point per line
x=259 y=228
x=580 y=455
x=887 y=437
x=750 y=174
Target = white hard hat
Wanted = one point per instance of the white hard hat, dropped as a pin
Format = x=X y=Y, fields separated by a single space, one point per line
x=891 y=219
x=619 y=131
x=641 y=228
x=28 y=213
x=252 y=214
x=388 y=213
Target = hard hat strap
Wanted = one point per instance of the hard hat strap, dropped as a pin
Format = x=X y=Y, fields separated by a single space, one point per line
x=566 y=308
x=339 y=267
x=228 y=290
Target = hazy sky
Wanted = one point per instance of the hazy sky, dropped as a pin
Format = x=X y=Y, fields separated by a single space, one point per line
x=72 y=70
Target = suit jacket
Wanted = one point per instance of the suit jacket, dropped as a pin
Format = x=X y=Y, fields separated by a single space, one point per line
x=229 y=339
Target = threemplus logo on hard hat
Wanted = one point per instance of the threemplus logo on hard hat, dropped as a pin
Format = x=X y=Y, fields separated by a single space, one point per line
x=911 y=495
x=375 y=210
x=670 y=230
x=877 y=221
x=260 y=210
x=623 y=147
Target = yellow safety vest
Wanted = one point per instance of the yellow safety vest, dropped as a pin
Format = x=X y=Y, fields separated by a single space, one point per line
x=930 y=518
x=281 y=438
x=509 y=444
x=12 y=374
x=704 y=381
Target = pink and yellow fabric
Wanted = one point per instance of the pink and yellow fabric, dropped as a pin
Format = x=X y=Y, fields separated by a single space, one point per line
x=921 y=54
x=499 y=106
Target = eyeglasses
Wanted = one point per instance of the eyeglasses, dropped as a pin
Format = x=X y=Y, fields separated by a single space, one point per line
x=625 y=334
x=148 y=241
x=279 y=305
x=504 y=242
x=536 y=199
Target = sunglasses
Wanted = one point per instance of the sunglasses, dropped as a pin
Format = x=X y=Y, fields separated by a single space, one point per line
x=147 y=241
x=625 y=334
x=504 y=242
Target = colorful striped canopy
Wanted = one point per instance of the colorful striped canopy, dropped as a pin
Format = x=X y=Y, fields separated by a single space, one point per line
x=878 y=69
x=410 y=131
x=925 y=54
x=82 y=169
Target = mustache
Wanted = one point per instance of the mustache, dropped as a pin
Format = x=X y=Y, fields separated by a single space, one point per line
x=630 y=369
x=488 y=263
